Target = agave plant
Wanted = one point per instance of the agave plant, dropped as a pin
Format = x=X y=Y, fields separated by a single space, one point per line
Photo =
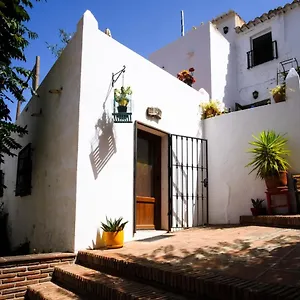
x=115 y=225
x=270 y=154
x=257 y=203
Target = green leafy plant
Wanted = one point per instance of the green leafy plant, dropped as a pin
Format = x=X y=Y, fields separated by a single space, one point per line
x=269 y=154
x=15 y=37
x=113 y=225
x=257 y=203
x=121 y=95
x=57 y=49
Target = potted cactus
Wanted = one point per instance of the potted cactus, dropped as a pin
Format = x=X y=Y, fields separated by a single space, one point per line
x=113 y=233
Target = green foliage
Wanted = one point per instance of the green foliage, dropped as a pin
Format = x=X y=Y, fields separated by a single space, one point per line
x=269 y=154
x=57 y=49
x=257 y=203
x=14 y=36
x=113 y=225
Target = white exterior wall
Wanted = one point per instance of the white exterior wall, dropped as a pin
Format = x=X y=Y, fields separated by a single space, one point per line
x=264 y=77
x=47 y=217
x=239 y=82
x=222 y=59
x=111 y=192
x=191 y=50
x=230 y=185
x=212 y=58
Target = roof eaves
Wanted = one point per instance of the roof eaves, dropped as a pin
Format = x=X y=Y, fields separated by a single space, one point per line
x=267 y=16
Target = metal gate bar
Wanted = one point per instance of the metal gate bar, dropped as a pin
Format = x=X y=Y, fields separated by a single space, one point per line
x=187 y=181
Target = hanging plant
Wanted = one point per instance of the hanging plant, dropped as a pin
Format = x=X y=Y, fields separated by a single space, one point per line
x=187 y=76
x=122 y=97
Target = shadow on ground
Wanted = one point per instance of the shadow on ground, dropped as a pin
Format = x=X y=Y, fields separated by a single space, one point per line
x=265 y=259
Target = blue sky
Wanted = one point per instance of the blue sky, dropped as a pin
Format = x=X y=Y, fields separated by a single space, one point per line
x=144 y=26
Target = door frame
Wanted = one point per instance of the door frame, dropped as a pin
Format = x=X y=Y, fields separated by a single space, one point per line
x=135 y=131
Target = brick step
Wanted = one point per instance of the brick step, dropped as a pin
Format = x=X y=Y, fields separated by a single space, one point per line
x=93 y=284
x=282 y=221
x=50 y=291
x=184 y=280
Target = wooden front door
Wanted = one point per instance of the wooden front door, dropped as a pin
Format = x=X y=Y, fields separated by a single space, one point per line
x=148 y=181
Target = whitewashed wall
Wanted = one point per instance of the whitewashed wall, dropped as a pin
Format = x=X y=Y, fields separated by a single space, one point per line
x=47 y=217
x=109 y=190
x=263 y=77
x=191 y=50
x=230 y=186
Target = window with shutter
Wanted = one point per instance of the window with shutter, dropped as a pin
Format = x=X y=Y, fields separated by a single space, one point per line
x=23 y=186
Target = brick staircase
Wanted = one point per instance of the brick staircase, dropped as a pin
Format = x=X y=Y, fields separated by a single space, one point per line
x=96 y=275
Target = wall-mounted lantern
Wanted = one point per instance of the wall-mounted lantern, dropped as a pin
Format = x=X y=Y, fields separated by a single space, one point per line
x=154 y=112
x=225 y=29
x=122 y=108
x=255 y=94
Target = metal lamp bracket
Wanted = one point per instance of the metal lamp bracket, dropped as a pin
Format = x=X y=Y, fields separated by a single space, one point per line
x=116 y=76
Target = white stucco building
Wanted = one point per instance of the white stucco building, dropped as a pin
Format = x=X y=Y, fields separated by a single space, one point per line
x=78 y=165
x=233 y=58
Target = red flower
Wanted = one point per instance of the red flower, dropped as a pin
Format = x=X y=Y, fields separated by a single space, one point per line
x=191 y=69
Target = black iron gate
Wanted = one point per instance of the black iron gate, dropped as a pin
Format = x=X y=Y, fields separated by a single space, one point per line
x=187 y=182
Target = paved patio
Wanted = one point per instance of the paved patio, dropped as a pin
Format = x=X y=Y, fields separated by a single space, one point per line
x=265 y=254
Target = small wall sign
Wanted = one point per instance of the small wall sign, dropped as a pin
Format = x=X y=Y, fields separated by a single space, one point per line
x=154 y=112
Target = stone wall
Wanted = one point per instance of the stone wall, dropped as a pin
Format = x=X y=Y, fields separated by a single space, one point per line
x=17 y=272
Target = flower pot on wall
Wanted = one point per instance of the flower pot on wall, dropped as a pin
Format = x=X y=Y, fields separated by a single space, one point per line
x=278 y=98
x=113 y=240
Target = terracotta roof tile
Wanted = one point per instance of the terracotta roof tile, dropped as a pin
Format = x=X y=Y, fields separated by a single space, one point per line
x=225 y=15
x=266 y=16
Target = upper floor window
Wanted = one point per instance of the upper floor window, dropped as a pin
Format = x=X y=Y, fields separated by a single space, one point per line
x=263 y=50
x=23 y=186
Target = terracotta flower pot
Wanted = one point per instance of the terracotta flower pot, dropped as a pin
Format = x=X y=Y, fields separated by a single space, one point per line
x=273 y=182
x=278 y=98
x=258 y=211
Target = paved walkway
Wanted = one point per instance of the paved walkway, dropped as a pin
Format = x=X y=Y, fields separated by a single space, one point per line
x=261 y=253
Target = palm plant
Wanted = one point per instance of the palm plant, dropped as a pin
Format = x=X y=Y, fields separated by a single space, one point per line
x=115 y=225
x=269 y=154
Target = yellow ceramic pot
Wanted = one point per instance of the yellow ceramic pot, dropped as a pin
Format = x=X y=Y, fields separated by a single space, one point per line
x=123 y=102
x=113 y=240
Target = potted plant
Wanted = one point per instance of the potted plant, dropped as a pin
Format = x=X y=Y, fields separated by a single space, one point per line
x=270 y=158
x=212 y=108
x=278 y=93
x=187 y=76
x=113 y=233
x=257 y=208
x=122 y=98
